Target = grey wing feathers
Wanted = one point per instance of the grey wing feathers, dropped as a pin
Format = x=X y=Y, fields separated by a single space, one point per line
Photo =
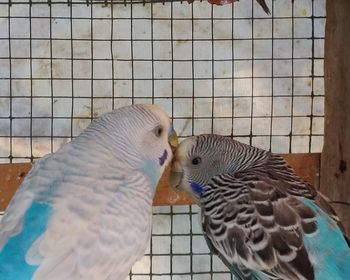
x=233 y=267
x=277 y=169
x=251 y=220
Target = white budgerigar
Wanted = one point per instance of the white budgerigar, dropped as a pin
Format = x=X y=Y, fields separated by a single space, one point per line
x=85 y=211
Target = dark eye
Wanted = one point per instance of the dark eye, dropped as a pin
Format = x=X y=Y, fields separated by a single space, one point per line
x=196 y=160
x=158 y=131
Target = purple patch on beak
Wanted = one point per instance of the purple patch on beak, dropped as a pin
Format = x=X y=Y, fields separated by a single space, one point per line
x=163 y=158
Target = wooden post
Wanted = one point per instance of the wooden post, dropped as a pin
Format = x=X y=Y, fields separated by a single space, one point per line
x=335 y=159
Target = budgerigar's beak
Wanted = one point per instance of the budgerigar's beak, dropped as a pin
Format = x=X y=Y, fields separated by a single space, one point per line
x=176 y=175
x=173 y=141
x=176 y=172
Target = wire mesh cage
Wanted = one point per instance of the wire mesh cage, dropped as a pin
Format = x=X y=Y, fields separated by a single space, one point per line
x=231 y=70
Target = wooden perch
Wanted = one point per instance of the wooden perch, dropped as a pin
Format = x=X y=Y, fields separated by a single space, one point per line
x=307 y=166
x=335 y=172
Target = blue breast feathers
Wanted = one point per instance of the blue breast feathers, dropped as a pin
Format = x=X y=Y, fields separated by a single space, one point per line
x=328 y=249
x=12 y=257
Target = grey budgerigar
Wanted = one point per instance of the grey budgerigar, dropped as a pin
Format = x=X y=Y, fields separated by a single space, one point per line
x=257 y=215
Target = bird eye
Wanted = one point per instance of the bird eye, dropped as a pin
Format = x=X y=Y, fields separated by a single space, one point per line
x=158 y=131
x=196 y=160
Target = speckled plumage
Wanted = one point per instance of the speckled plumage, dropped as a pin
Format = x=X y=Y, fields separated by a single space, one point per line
x=85 y=211
x=258 y=216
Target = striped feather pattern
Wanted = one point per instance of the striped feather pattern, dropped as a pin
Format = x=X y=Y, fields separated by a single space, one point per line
x=253 y=214
x=258 y=224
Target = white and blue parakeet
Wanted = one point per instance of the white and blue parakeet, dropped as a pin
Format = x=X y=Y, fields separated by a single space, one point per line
x=257 y=215
x=85 y=211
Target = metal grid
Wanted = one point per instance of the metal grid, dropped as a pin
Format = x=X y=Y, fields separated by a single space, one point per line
x=88 y=2
x=231 y=70
x=178 y=249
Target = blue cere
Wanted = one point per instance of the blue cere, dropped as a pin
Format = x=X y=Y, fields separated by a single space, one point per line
x=171 y=130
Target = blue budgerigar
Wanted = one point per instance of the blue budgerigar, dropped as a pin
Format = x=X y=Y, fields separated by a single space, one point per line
x=257 y=215
x=85 y=211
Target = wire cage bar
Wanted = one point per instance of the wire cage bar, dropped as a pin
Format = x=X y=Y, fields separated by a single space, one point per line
x=231 y=70
x=90 y=2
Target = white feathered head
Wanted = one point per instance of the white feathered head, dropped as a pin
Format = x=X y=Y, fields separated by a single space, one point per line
x=138 y=136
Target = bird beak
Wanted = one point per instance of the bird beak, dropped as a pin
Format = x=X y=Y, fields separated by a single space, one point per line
x=176 y=172
x=176 y=175
x=173 y=141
